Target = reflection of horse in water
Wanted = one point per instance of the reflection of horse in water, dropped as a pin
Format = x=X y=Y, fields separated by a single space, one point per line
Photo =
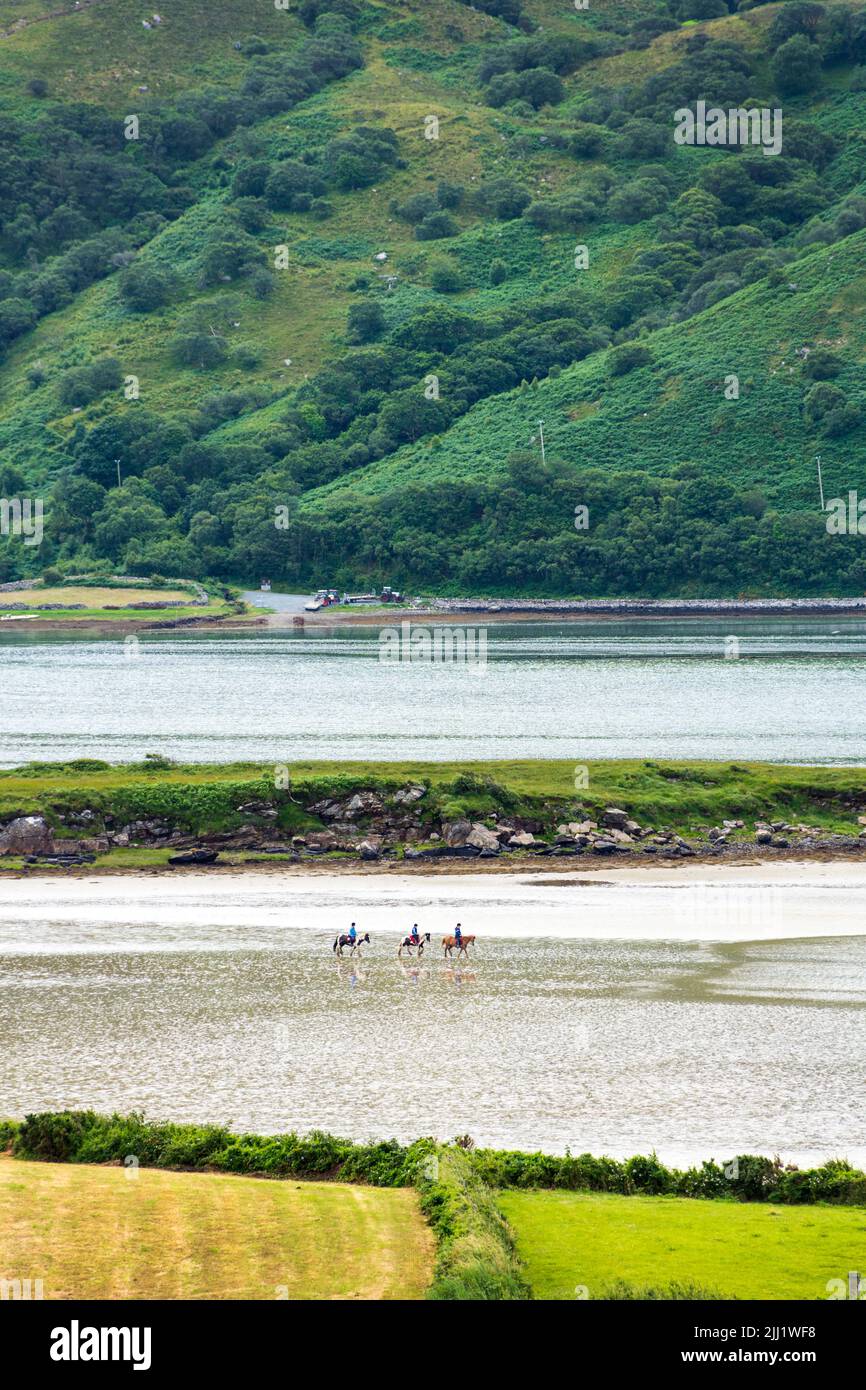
x=449 y=942
x=408 y=942
x=347 y=940
x=459 y=976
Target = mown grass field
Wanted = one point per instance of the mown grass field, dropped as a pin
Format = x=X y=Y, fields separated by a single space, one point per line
x=113 y=603
x=571 y=1240
x=91 y=597
x=100 y=1233
x=137 y=615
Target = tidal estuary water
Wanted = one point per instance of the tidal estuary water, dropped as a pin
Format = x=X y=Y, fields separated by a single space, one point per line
x=698 y=1013
x=794 y=692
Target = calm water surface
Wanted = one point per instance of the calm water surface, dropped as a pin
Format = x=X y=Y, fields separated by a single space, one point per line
x=582 y=691
x=697 y=1019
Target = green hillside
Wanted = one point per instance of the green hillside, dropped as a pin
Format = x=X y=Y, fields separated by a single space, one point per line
x=199 y=310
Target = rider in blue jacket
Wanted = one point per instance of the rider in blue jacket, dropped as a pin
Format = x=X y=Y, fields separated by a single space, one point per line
x=352 y=933
x=414 y=934
x=458 y=935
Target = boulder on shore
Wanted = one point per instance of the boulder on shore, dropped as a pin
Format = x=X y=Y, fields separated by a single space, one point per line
x=456 y=833
x=363 y=804
x=406 y=796
x=26 y=835
x=195 y=856
x=320 y=839
x=482 y=838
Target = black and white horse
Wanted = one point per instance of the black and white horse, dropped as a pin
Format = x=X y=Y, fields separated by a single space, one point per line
x=346 y=940
x=407 y=942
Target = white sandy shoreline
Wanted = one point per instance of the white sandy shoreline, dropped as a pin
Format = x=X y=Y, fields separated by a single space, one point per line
x=693 y=902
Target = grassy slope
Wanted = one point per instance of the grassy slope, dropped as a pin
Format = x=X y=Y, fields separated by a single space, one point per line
x=676 y=794
x=741 y=1250
x=97 y=1232
x=673 y=411
x=414 y=68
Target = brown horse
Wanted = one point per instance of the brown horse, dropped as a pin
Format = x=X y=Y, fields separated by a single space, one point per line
x=449 y=942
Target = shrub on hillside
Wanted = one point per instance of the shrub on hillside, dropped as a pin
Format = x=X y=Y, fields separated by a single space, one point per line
x=81 y=385
x=365 y=321
x=145 y=287
x=627 y=357
x=436 y=226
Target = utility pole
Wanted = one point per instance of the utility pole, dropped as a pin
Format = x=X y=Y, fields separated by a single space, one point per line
x=117 y=461
x=541 y=431
x=820 y=482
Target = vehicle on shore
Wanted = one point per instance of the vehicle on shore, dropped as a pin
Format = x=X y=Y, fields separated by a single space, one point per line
x=323 y=598
x=386 y=595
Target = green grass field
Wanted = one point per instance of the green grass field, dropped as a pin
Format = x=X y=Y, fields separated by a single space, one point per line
x=573 y=1240
x=99 y=1233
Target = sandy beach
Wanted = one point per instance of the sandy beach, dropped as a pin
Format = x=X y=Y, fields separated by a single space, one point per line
x=694 y=902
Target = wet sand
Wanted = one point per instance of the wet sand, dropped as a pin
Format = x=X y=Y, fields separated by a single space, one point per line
x=695 y=1014
x=638 y=865
x=695 y=902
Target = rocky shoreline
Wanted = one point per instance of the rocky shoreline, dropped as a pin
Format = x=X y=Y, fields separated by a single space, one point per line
x=506 y=610
x=638 y=607
x=406 y=826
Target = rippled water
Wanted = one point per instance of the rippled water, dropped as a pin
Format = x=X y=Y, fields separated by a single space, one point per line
x=607 y=1015
x=588 y=690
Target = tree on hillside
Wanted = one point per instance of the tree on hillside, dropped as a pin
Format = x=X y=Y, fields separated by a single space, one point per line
x=797 y=66
x=145 y=287
x=503 y=198
x=700 y=9
x=365 y=322
x=81 y=385
x=16 y=316
x=229 y=255
x=436 y=227
x=795 y=19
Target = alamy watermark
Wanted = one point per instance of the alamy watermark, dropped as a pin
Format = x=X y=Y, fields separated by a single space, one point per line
x=21 y=1289
x=22 y=516
x=846 y=516
x=755 y=125
x=421 y=645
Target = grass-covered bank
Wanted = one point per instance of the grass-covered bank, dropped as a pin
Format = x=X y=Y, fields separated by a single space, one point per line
x=83 y=1136
x=106 y=599
x=90 y=797
x=476 y=1254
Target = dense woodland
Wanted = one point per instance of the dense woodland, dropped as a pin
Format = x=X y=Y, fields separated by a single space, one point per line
x=408 y=453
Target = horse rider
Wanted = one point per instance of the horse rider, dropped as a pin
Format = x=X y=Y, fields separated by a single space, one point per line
x=413 y=935
x=352 y=934
x=458 y=936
